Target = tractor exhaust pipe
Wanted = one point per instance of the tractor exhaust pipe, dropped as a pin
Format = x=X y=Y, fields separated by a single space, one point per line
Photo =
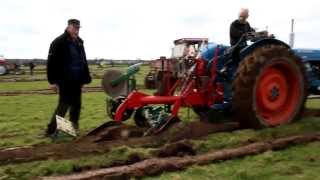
x=292 y=36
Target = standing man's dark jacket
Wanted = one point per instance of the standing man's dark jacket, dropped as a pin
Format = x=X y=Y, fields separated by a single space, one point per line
x=237 y=29
x=63 y=66
x=67 y=67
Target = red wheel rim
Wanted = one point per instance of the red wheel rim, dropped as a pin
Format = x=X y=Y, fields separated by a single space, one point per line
x=277 y=93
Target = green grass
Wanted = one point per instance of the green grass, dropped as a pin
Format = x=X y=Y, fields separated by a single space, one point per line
x=34 y=85
x=236 y=138
x=233 y=169
x=298 y=162
x=21 y=86
x=23 y=120
x=313 y=103
x=56 y=167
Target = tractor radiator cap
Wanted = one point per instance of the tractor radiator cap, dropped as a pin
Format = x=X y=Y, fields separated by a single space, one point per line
x=113 y=91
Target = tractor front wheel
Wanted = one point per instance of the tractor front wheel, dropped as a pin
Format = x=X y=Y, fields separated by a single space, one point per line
x=270 y=88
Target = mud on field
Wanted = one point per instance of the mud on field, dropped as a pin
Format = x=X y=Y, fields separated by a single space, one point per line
x=90 y=145
x=43 y=91
x=170 y=145
x=155 y=166
x=123 y=134
x=311 y=112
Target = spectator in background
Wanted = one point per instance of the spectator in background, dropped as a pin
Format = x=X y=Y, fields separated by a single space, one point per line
x=31 y=67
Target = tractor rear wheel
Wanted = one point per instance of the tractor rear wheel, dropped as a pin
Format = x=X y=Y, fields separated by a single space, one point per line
x=270 y=87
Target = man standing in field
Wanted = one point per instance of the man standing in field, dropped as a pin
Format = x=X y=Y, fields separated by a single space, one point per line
x=67 y=72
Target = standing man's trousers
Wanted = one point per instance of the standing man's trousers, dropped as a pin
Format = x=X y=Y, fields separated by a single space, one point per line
x=69 y=99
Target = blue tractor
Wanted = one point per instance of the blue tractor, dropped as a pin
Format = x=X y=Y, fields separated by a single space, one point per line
x=311 y=60
x=265 y=83
x=309 y=57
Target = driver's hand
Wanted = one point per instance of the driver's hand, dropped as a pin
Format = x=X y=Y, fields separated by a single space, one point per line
x=250 y=35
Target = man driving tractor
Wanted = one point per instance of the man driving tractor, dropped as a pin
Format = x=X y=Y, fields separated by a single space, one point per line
x=240 y=27
x=226 y=66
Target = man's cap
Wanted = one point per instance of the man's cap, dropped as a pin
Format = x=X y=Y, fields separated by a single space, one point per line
x=74 y=22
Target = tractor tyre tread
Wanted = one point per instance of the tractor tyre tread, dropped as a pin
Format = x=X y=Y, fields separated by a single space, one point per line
x=245 y=79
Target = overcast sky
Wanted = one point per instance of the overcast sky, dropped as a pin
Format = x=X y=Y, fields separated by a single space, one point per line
x=131 y=29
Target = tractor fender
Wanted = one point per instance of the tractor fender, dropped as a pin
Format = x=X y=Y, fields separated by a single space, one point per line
x=268 y=41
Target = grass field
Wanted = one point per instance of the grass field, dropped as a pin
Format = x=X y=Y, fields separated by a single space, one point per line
x=299 y=162
x=23 y=121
